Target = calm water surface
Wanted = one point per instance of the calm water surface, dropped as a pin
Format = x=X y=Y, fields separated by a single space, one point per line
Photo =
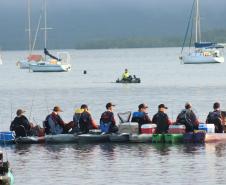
x=164 y=80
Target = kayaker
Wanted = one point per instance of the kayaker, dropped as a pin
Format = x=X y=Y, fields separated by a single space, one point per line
x=21 y=124
x=161 y=120
x=86 y=122
x=215 y=118
x=107 y=120
x=56 y=124
x=188 y=118
x=126 y=75
x=141 y=116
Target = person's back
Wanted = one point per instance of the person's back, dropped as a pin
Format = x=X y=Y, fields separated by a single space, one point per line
x=141 y=116
x=85 y=122
x=188 y=118
x=107 y=120
x=20 y=124
x=161 y=120
x=56 y=124
x=215 y=118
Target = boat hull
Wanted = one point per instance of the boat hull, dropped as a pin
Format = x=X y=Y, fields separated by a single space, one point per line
x=202 y=59
x=50 y=67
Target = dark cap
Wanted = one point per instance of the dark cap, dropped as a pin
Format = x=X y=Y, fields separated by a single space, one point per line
x=108 y=105
x=84 y=106
x=216 y=105
x=188 y=105
x=57 y=109
x=162 y=106
x=19 y=112
x=142 y=106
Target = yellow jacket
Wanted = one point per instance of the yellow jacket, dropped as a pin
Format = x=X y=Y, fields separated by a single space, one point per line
x=125 y=75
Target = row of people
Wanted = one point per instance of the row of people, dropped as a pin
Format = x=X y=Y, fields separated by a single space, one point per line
x=83 y=121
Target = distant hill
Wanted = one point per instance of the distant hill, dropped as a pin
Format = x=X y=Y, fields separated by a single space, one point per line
x=85 y=24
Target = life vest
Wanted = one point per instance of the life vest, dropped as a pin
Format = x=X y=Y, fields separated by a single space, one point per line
x=138 y=116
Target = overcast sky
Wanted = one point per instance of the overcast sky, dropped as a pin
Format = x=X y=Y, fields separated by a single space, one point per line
x=90 y=19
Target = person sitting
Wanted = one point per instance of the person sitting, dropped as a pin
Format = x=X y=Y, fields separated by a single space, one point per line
x=126 y=75
x=55 y=125
x=86 y=122
x=141 y=116
x=215 y=118
x=107 y=120
x=188 y=118
x=20 y=124
x=161 y=120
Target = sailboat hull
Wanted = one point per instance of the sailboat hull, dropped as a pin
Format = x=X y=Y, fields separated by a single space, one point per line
x=202 y=59
x=44 y=67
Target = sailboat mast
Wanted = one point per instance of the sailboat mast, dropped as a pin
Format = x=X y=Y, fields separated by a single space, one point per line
x=45 y=29
x=197 y=24
x=29 y=24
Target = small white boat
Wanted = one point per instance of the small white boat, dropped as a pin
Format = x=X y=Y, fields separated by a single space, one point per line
x=53 y=65
x=203 y=52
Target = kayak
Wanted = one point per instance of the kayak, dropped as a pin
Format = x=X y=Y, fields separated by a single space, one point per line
x=133 y=80
x=215 y=137
x=30 y=140
x=140 y=138
x=124 y=137
x=93 y=138
x=61 y=138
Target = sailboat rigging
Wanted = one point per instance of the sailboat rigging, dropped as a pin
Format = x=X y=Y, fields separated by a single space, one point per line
x=204 y=52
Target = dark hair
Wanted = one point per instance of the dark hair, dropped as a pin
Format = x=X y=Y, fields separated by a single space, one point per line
x=216 y=105
x=108 y=105
x=84 y=106
x=142 y=106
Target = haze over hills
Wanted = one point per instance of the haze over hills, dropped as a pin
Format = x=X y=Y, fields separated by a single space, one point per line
x=110 y=24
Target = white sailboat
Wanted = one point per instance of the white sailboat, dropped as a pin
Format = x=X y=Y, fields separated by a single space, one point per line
x=61 y=63
x=32 y=58
x=203 y=52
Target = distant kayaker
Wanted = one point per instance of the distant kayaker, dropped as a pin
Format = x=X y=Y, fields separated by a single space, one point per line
x=188 y=118
x=86 y=122
x=107 y=120
x=126 y=75
x=56 y=124
x=21 y=124
x=141 y=116
x=161 y=120
x=215 y=118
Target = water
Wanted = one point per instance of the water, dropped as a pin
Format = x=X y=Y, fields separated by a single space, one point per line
x=164 y=80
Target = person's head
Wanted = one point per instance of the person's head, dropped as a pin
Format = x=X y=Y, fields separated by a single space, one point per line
x=20 y=112
x=109 y=106
x=162 y=108
x=216 y=105
x=126 y=70
x=84 y=107
x=143 y=107
x=188 y=105
x=57 y=109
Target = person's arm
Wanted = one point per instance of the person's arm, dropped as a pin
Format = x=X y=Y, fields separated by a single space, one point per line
x=147 y=119
x=113 y=119
x=154 y=120
x=168 y=120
